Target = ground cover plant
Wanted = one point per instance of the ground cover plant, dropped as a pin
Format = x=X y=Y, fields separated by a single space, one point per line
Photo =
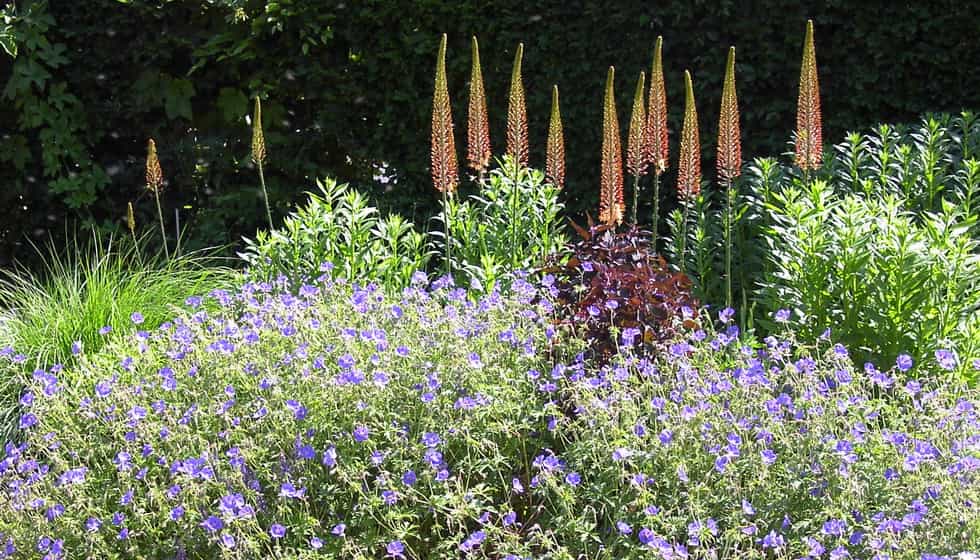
x=343 y=422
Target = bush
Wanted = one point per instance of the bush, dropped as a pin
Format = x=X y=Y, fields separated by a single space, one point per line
x=433 y=426
x=81 y=295
x=512 y=223
x=613 y=287
x=880 y=245
x=338 y=227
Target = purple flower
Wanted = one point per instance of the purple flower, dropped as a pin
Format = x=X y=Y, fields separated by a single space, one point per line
x=288 y=490
x=361 y=433
x=782 y=316
x=773 y=540
x=409 y=478
x=92 y=524
x=946 y=359
x=277 y=531
x=903 y=362
x=573 y=478
x=338 y=530
x=227 y=540
x=212 y=524
x=136 y=317
x=624 y=528
x=431 y=439
x=178 y=512
x=509 y=518
x=395 y=549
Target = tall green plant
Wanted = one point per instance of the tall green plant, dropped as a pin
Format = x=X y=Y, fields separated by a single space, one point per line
x=490 y=239
x=338 y=228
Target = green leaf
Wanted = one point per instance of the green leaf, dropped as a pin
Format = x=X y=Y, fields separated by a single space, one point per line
x=8 y=43
x=232 y=103
x=177 y=98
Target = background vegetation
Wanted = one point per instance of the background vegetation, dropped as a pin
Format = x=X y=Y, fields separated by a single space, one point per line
x=344 y=84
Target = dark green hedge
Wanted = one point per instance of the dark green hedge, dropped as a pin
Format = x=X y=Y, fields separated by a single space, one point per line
x=348 y=85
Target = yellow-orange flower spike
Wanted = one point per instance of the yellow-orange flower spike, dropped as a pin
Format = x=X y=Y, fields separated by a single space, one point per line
x=636 y=161
x=611 y=205
x=657 y=148
x=258 y=137
x=154 y=174
x=555 y=162
x=729 y=135
x=444 y=168
x=478 y=129
x=689 y=166
x=517 y=144
x=809 y=137
x=130 y=218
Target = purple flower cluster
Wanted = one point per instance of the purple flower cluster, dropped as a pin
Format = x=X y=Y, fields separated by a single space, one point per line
x=343 y=418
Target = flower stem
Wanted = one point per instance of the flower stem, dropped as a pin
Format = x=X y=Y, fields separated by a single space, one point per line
x=163 y=230
x=656 y=210
x=265 y=196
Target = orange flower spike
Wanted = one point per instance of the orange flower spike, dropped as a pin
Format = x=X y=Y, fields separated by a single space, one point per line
x=636 y=160
x=729 y=135
x=517 y=144
x=154 y=173
x=809 y=137
x=555 y=163
x=658 y=152
x=478 y=129
x=444 y=167
x=611 y=205
x=689 y=167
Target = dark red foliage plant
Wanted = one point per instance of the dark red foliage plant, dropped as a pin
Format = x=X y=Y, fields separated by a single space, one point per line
x=615 y=289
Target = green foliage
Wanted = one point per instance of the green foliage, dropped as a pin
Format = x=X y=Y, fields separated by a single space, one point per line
x=881 y=246
x=512 y=223
x=884 y=279
x=83 y=289
x=350 y=85
x=338 y=228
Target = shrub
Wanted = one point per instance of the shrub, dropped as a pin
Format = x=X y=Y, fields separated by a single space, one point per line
x=613 y=286
x=432 y=426
x=879 y=244
x=512 y=223
x=338 y=226
x=81 y=295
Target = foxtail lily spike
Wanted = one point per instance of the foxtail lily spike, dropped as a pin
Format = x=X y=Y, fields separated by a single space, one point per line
x=729 y=135
x=689 y=166
x=611 y=204
x=636 y=147
x=555 y=162
x=444 y=167
x=154 y=182
x=729 y=161
x=636 y=162
x=517 y=144
x=657 y=149
x=478 y=125
x=259 y=155
x=809 y=137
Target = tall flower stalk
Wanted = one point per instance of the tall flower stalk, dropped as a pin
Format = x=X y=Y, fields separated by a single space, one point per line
x=658 y=152
x=517 y=143
x=259 y=155
x=689 y=166
x=154 y=183
x=809 y=136
x=636 y=157
x=478 y=124
x=729 y=160
x=555 y=161
x=444 y=166
x=611 y=206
